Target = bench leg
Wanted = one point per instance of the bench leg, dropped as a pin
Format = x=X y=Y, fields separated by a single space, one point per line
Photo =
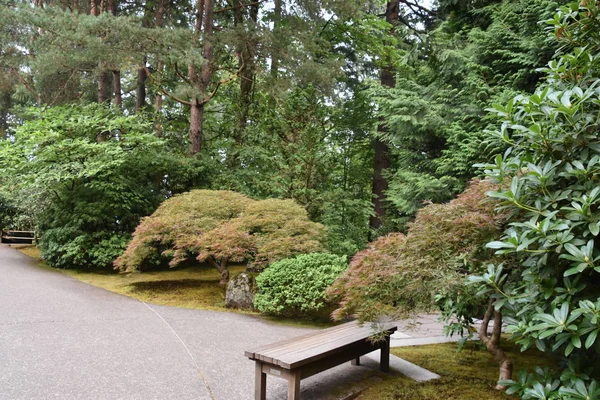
x=294 y=386
x=356 y=361
x=384 y=364
x=260 y=386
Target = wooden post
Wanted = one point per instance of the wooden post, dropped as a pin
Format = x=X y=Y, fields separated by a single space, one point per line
x=260 y=386
x=294 y=385
x=356 y=361
x=385 y=355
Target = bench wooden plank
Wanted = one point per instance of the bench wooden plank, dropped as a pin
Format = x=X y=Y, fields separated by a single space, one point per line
x=318 y=344
x=298 y=359
x=314 y=339
x=281 y=343
x=334 y=333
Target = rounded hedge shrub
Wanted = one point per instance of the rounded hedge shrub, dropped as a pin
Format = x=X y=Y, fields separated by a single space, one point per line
x=296 y=286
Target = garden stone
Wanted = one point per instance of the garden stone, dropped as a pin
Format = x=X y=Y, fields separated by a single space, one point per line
x=240 y=291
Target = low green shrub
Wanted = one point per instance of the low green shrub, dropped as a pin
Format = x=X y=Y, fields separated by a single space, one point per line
x=296 y=286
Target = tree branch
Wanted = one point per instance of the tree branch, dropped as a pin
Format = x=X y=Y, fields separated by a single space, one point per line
x=239 y=6
x=219 y=83
x=149 y=74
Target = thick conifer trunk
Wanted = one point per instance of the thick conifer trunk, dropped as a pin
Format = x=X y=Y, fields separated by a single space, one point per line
x=246 y=49
x=159 y=14
x=276 y=25
x=197 y=105
x=196 y=117
x=103 y=82
x=140 y=89
x=382 y=152
x=118 y=98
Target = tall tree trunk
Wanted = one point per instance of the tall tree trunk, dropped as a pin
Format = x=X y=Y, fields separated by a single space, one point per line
x=111 y=7
x=196 y=119
x=197 y=106
x=159 y=18
x=103 y=79
x=382 y=151
x=276 y=26
x=94 y=7
x=140 y=89
x=158 y=128
x=142 y=76
x=492 y=342
x=117 y=88
x=196 y=114
x=103 y=82
x=246 y=48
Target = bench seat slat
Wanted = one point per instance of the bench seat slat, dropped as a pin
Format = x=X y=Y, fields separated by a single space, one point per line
x=272 y=347
x=321 y=339
x=293 y=353
x=299 y=358
x=315 y=338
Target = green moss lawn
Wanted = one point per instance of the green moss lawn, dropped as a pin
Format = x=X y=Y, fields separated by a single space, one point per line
x=467 y=375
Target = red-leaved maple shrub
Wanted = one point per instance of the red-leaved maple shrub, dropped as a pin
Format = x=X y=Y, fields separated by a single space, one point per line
x=219 y=227
x=400 y=274
x=426 y=269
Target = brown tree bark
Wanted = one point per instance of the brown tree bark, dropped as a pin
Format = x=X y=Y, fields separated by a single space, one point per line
x=492 y=342
x=118 y=98
x=140 y=89
x=197 y=106
x=159 y=18
x=94 y=7
x=277 y=12
x=196 y=119
x=382 y=152
x=222 y=268
x=103 y=82
x=245 y=50
x=103 y=78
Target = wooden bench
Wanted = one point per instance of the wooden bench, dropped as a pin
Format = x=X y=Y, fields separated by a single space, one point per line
x=14 y=236
x=298 y=358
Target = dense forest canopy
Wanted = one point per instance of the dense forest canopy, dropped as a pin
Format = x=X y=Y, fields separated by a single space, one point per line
x=359 y=111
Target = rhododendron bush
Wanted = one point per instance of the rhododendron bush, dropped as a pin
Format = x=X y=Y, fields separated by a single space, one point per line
x=220 y=227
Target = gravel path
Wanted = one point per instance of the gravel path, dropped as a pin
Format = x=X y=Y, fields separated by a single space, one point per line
x=63 y=339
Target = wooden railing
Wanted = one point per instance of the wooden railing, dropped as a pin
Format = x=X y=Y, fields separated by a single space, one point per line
x=17 y=237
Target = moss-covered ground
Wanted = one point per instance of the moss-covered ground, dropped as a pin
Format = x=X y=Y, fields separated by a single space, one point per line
x=470 y=374
x=195 y=286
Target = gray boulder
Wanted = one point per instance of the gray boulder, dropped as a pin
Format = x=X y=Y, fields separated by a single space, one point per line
x=240 y=291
